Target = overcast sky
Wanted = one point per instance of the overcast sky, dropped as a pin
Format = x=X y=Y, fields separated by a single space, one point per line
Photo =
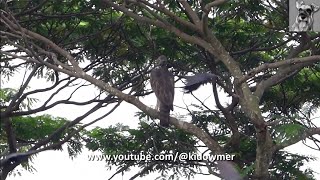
x=52 y=165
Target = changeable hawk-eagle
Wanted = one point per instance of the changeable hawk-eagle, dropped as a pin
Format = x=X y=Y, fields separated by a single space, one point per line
x=162 y=83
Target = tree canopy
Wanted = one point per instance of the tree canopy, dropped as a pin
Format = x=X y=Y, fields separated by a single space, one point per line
x=271 y=77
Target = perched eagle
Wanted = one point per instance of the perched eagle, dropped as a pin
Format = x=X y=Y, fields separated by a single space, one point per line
x=195 y=81
x=162 y=84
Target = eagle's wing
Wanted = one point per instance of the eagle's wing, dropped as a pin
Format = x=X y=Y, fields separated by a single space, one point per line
x=162 y=83
x=195 y=81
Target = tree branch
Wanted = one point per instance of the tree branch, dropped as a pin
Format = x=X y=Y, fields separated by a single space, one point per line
x=194 y=17
x=288 y=62
x=165 y=11
x=44 y=40
x=304 y=135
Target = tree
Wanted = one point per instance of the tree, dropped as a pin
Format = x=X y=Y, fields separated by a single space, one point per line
x=270 y=75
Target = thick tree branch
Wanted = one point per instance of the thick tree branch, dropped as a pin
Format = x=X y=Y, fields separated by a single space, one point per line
x=307 y=133
x=289 y=62
x=280 y=76
x=194 y=17
x=206 y=11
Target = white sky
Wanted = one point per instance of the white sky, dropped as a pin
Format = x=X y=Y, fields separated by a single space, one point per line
x=52 y=165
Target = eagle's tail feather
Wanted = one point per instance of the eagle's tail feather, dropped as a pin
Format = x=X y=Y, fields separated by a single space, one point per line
x=164 y=115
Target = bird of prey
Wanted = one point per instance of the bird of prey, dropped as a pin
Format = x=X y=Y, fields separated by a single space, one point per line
x=162 y=83
x=195 y=81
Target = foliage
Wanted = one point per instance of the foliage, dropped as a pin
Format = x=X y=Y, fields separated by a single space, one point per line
x=148 y=139
x=31 y=129
x=288 y=165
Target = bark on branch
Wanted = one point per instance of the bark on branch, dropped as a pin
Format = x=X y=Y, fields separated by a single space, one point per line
x=307 y=133
x=288 y=62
